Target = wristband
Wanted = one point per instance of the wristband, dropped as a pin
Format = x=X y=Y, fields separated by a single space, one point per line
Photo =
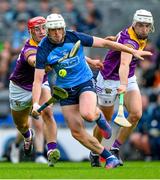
x=35 y=104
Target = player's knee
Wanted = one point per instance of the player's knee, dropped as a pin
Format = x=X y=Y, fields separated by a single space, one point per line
x=47 y=114
x=135 y=117
x=22 y=127
x=89 y=116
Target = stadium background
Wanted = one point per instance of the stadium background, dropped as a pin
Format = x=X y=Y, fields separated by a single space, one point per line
x=113 y=16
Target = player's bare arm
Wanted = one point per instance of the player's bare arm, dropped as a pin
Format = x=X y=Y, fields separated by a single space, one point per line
x=36 y=90
x=99 y=42
x=126 y=59
x=30 y=56
x=31 y=60
x=94 y=63
x=111 y=38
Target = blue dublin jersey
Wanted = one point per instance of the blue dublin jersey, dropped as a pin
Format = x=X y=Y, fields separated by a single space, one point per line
x=76 y=67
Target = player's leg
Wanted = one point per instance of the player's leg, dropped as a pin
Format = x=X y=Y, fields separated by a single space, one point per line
x=106 y=91
x=89 y=110
x=50 y=129
x=108 y=113
x=38 y=140
x=21 y=121
x=76 y=125
x=132 y=100
x=88 y=101
x=20 y=103
x=73 y=111
x=134 y=107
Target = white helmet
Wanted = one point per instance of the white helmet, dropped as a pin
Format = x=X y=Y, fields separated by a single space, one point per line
x=143 y=16
x=55 y=21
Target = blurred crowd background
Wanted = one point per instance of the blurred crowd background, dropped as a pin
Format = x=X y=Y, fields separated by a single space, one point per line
x=95 y=17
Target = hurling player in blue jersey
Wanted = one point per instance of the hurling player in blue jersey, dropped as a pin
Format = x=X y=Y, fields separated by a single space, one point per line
x=82 y=100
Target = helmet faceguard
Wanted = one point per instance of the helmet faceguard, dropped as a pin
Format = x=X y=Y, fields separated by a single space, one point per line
x=55 y=21
x=143 y=16
x=34 y=24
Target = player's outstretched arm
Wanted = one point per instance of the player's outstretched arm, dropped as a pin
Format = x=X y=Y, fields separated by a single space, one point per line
x=111 y=38
x=94 y=63
x=139 y=53
x=125 y=61
x=102 y=43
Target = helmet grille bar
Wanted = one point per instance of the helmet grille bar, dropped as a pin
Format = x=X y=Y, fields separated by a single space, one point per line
x=144 y=15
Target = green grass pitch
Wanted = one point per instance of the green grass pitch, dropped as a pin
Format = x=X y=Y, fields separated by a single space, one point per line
x=79 y=170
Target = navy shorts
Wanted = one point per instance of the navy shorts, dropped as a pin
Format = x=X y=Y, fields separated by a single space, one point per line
x=75 y=92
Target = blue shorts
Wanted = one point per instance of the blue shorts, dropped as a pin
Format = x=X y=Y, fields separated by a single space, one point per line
x=75 y=92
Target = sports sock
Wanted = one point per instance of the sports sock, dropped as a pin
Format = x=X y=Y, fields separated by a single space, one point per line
x=105 y=154
x=116 y=144
x=27 y=134
x=51 y=146
x=104 y=127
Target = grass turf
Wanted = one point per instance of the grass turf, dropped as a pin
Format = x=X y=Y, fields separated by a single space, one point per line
x=79 y=170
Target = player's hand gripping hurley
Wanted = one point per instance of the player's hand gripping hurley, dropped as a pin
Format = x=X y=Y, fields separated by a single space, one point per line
x=120 y=118
x=58 y=93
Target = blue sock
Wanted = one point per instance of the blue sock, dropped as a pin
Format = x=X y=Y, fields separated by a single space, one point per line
x=105 y=154
x=104 y=126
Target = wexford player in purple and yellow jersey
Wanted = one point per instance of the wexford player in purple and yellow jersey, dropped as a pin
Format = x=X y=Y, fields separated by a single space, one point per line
x=21 y=81
x=118 y=76
x=81 y=102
